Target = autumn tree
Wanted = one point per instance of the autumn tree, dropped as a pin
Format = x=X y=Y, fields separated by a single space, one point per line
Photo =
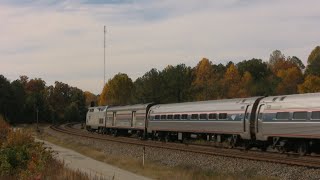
x=103 y=96
x=91 y=99
x=246 y=84
x=232 y=82
x=204 y=79
x=119 y=90
x=311 y=84
x=290 y=78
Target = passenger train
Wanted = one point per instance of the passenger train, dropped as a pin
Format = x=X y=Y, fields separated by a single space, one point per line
x=285 y=123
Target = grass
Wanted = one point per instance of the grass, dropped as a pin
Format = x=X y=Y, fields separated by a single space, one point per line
x=151 y=169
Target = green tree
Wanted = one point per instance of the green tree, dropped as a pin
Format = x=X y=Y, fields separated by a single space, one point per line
x=72 y=113
x=176 y=84
x=148 y=87
x=314 y=54
x=313 y=67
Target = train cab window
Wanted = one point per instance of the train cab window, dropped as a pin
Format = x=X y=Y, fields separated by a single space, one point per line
x=169 y=117
x=282 y=115
x=315 y=115
x=194 y=116
x=213 y=116
x=184 y=116
x=176 y=117
x=203 y=116
x=163 y=117
x=223 y=116
x=91 y=110
x=157 y=117
x=300 y=115
x=101 y=121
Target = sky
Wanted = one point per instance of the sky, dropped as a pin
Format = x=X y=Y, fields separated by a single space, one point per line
x=63 y=40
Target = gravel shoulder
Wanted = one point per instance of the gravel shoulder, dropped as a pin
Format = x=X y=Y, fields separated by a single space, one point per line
x=94 y=168
x=232 y=168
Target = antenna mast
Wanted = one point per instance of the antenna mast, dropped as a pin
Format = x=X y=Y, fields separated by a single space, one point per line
x=104 y=56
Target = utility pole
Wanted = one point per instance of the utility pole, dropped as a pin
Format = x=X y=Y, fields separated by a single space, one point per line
x=104 y=56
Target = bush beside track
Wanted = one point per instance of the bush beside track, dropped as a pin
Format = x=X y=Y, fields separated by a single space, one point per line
x=23 y=158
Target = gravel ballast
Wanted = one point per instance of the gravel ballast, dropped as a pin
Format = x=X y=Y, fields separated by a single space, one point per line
x=172 y=158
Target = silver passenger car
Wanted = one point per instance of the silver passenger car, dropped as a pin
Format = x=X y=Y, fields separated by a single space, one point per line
x=127 y=117
x=231 y=116
x=95 y=118
x=290 y=116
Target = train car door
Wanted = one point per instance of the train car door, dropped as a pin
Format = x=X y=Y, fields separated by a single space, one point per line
x=246 y=118
x=133 y=119
x=114 y=119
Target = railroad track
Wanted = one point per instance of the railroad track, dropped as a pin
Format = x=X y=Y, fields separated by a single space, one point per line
x=308 y=161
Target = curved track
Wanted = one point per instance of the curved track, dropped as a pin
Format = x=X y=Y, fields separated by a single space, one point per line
x=309 y=161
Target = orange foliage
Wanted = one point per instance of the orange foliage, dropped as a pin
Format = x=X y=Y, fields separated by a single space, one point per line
x=232 y=82
x=290 y=78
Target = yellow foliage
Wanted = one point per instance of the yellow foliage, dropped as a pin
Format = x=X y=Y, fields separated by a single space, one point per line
x=232 y=82
x=103 y=96
x=311 y=84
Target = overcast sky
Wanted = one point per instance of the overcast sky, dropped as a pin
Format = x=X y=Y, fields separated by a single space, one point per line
x=63 y=40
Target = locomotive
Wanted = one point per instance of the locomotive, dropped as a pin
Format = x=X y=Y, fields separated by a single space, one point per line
x=285 y=122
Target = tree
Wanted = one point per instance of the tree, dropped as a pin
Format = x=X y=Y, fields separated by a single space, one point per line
x=72 y=113
x=275 y=56
x=231 y=82
x=311 y=84
x=148 y=87
x=257 y=69
x=313 y=67
x=203 y=83
x=314 y=54
x=5 y=97
x=290 y=78
x=176 y=84
x=119 y=91
x=103 y=96
x=246 y=85
x=90 y=98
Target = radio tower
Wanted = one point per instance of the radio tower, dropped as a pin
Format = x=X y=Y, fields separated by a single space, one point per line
x=104 y=56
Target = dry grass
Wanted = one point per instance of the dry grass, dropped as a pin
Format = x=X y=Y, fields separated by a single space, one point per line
x=23 y=158
x=151 y=169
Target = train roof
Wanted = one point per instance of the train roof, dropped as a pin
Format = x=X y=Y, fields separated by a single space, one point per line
x=129 y=107
x=309 y=97
x=98 y=108
x=225 y=104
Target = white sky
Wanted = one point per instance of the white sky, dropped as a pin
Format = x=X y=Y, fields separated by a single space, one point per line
x=63 y=41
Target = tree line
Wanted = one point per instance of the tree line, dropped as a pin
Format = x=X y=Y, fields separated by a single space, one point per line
x=208 y=81
x=22 y=100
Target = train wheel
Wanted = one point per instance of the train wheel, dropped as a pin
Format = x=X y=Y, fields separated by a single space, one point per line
x=303 y=148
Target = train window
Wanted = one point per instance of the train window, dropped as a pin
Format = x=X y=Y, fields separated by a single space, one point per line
x=176 y=117
x=212 y=116
x=194 y=116
x=163 y=117
x=169 y=117
x=91 y=110
x=282 y=115
x=157 y=117
x=203 y=116
x=300 y=115
x=101 y=121
x=223 y=116
x=315 y=115
x=184 y=116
